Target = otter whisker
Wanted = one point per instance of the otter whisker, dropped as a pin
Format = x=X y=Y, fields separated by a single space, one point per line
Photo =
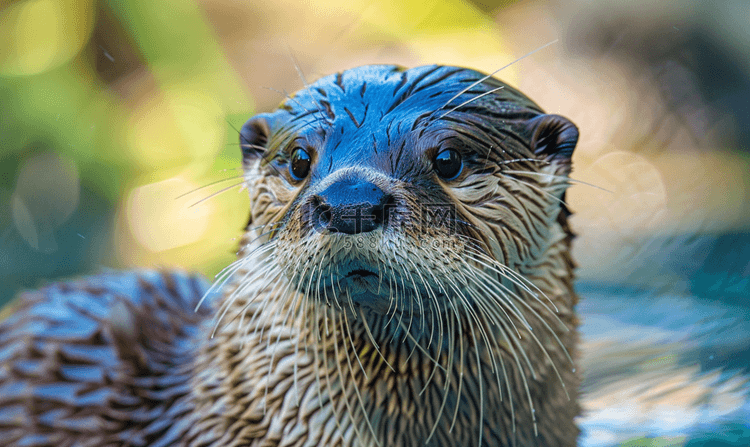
x=411 y=305
x=515 y=311
x=434 y=301
x=465 y=302
x=547 y=326
x=342 y=385
x=350 y=302
x=257 y=275
x=208 y=185
x=510 y=274
x=317 y=345
x=484 y=314
x=435 y=316
x=562 y=178
x=240 y=184
x=278 y=336
x=488 y=282
x=511 y=343
x=331 y=393
x=342 y=317
x=274 y=289
x=327 y=304
x=536 y=297
x=277 y=276
x=476 y=297
x=431 y=310
x=337 y=283
x=502 y=330
x=403 y=295
x=431 y=296
x=230 y=270
x=504 y=272
x=502 y=288
x=290 y=98
x=535 y=187
x=372 y=339
x=469 y=101
x=251 y=301
x=414 y=348
x=318 y=288
x=415 y=289
x=428 y=380
x=504 y=334
x=481 y=80
x=277 y=309
x=307 y=87
x=273 y=225
x=425 y=283
x=421 y=348
x=300 y=312
x=467 y=307
x=452 y=318
x=501 y=300
x=227 y=304
x=392 y=300
x=481 y=382
x=546 y=353
x=351 y=342
x=333 y=290
x=531 y=160
x=249 y=145
x=380 y=277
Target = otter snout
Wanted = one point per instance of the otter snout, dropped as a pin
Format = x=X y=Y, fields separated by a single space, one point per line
x=349 y=206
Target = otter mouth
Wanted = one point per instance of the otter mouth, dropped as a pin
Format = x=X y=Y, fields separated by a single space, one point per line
x=363 y=286
x=361 y=281
x=361 y=273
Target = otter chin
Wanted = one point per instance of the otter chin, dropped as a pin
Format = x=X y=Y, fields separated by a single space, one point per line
x=405 y=277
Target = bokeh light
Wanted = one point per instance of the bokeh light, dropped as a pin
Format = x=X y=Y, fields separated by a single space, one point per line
x=39 y=35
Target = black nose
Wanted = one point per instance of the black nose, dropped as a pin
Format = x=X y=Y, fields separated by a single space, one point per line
x=349 y=206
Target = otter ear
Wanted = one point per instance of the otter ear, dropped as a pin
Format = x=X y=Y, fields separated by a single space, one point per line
x=254 y=136
x=553 y=137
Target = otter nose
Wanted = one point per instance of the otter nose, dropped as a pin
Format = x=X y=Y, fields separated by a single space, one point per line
x=349 y=206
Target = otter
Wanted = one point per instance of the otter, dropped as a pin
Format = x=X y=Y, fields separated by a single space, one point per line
x=404 y=279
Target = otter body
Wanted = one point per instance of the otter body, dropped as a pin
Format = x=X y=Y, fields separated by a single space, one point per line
x=405 y=279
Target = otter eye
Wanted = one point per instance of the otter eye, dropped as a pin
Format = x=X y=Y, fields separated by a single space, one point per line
x=448 y=164
x=300 y=164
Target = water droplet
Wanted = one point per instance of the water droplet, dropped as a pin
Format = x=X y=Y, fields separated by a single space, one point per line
x=574 y=370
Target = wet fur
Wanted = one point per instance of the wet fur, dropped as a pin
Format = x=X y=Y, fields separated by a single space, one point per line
x=467 y=337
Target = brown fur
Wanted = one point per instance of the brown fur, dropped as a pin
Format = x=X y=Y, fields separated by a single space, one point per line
x=462 y=333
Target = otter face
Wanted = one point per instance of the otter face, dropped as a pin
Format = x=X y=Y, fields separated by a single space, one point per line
x=418 y=214
x=394 y=192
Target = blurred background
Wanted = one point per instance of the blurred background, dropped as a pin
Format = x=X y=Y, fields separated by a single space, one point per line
x=118 y=127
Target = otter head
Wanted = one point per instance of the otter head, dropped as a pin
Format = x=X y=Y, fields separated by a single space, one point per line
x=395 y=191
x=420 y=213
